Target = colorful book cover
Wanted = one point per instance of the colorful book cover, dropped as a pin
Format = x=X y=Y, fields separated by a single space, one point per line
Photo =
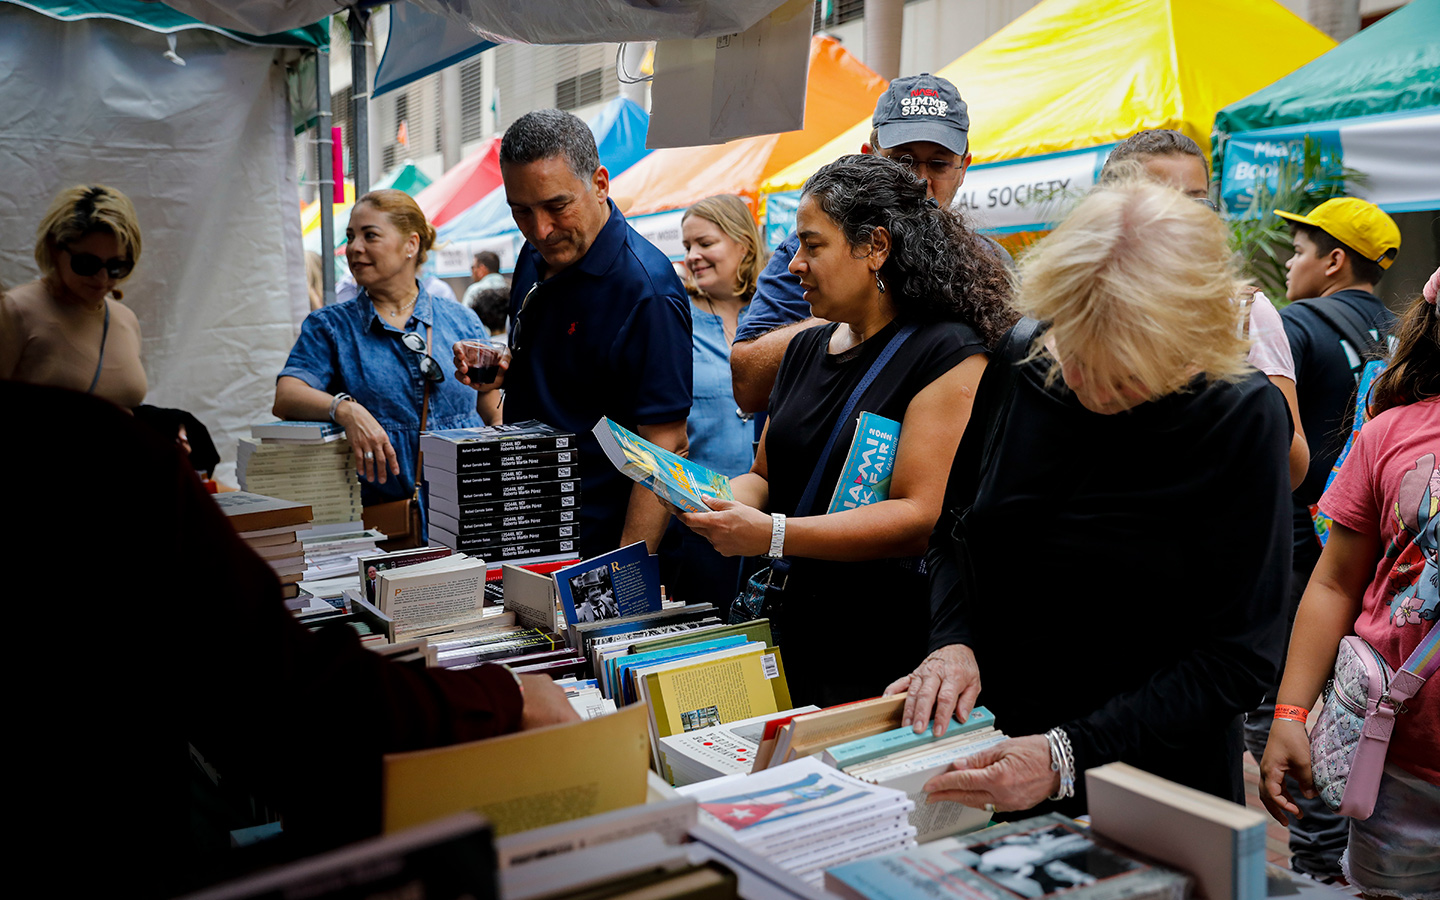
x=869 y=465
x=624 y=582
x=672 y=478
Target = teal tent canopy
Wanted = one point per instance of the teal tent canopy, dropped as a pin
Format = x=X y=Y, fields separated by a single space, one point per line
x=1371 y=105
x=160 y=18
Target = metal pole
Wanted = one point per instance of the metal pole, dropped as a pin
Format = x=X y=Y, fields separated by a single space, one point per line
x=360 y=91
x=324 y=145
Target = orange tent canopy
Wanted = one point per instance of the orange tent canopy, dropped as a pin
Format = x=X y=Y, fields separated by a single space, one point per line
x=840 y=88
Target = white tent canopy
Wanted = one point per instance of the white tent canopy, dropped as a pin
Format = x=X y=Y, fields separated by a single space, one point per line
x=206 y=152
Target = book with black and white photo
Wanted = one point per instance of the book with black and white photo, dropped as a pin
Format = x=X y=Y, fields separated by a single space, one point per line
x=623 y=582
x=1033 y=859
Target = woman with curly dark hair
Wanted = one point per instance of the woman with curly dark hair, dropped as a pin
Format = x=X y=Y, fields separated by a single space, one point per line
x=913 y=301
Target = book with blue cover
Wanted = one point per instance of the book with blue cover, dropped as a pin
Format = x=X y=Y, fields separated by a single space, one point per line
x=624 y=582
x=898 y=740
x=674 y=479
x=869 y=464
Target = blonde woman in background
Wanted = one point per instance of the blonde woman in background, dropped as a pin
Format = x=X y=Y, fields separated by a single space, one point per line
x=723 y=259
x=68 y=328
x=1134 y=513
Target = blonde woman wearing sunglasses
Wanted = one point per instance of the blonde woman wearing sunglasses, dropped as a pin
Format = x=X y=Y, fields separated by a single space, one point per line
x=68 y=328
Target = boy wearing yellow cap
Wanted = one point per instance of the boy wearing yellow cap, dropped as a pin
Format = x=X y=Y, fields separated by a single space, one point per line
x=1334 y=322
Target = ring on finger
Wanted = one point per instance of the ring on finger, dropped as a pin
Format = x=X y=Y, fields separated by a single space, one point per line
x=369 y=454
x=990 y=807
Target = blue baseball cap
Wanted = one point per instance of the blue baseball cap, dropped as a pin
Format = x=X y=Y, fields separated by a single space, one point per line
x=922 y=108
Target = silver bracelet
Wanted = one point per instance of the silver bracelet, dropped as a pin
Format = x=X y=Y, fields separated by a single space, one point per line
x=1062 y=760
x=335 y=403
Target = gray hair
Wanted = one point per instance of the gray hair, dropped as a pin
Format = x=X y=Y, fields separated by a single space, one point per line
x=546 y=133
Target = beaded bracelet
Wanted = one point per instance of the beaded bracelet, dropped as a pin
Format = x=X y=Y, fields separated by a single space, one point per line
x=1062 y=760
x=1293 y=713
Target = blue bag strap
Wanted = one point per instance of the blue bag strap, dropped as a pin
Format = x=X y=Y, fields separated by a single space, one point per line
x=807 y=499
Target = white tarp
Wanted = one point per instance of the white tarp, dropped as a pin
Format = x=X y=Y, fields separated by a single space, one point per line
x=206 y=153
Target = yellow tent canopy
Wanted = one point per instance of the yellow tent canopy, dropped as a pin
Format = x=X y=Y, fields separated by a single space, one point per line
x=1072 y=74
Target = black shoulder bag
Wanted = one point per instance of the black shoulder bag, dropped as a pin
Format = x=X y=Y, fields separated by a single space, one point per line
x=764 y=594
x=956 y=572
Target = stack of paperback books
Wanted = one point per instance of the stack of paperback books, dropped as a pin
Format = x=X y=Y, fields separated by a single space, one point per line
x=269 y=526
x=510 y=493
x=308 y=462
x=806 y=817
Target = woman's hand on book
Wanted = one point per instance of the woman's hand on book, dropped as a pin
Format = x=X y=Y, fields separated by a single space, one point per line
x=1014 y=774
x=374 y=456
x=1287 y=752
x=946 y=684
x=545 y=703
x=732 y=528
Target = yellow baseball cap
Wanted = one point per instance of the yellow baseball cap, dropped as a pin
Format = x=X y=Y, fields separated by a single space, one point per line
x=1355 y=223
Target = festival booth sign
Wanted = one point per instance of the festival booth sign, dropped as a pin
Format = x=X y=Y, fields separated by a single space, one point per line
x=1051 y=93
x=619 y=131
x=1370 y=105
x=658 y=190
x=94 y=92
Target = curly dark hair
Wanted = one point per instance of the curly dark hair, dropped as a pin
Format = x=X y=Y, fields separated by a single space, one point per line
x=938 y=269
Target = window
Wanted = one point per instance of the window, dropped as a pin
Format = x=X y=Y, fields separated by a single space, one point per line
x=472 y=101
x=582 y=90
x=829 y=13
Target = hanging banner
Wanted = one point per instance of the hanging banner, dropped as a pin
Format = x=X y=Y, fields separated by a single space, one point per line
x=453 y=260
x=662 y=230
x=780 y=216
x=1394 y=154
x=1029 y=194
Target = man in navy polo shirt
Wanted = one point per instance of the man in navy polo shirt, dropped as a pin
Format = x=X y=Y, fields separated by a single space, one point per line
x=921 y=121
x=599 y=323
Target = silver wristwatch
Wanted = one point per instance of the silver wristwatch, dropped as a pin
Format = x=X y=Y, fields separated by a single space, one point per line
x=777 y=536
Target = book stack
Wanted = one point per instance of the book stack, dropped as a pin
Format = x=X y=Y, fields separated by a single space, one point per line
x=269 y=526
x=695 y=756
x=1037 y=858
x=904 y=760
x=329 y=557
x=308 y=462
x=507 y=492
x=805 y=817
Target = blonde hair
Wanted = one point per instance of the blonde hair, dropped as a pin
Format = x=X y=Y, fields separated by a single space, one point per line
x=86 y=209
x=405 y=214
x=1138 y=284
x=730 y=214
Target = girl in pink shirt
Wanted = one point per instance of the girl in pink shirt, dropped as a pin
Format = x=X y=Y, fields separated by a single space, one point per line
x=1377 y=578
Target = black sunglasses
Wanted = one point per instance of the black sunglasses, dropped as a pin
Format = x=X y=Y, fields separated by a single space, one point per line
x=428 y=366
x=87 y=264
x=516 y=329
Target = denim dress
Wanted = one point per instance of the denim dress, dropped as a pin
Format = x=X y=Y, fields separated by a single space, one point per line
x=349 y=347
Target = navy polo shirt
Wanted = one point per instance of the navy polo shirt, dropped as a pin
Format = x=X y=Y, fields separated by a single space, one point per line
x=608 y=335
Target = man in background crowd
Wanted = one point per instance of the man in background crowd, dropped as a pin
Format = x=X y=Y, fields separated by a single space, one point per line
x=485 y=272
x=920 y=121
x=1334 y=323
x=599 y=323
x=493 y=308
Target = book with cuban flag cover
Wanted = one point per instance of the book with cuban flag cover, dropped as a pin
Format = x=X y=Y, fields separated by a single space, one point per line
x=869 y=465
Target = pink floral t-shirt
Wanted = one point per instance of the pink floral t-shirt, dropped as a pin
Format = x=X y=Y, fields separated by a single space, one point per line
x=1390 y=485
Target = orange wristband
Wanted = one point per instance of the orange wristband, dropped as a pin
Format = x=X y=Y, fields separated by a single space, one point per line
x=1293 y=713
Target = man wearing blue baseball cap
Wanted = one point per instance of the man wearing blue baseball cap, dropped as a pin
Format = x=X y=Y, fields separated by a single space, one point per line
x=920 y=121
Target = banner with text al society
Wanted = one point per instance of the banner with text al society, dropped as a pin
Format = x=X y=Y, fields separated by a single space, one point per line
x=1031 y=194
x=1396 y=153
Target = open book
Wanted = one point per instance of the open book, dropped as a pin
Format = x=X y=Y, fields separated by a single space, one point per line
x=672 y=478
